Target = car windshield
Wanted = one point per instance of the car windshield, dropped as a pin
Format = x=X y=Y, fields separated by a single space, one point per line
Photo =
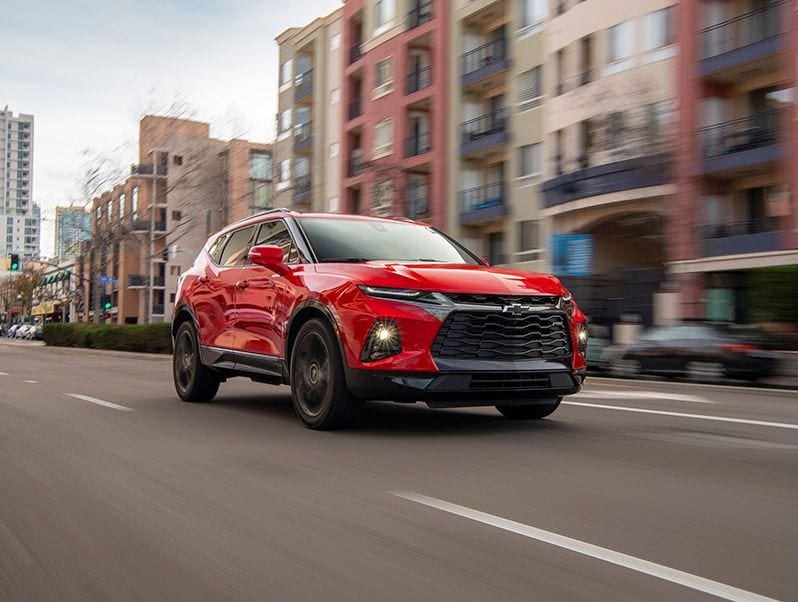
x=361 y=240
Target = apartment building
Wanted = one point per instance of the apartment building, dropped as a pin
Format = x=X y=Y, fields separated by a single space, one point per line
x=395 y=99
x=610 y=136
x=72 y=227
x=736 y=210
x=495 y=128
x=307 y=151
x=20 y=219
x=148 y=229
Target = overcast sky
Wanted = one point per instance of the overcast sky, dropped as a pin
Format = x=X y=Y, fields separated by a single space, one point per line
x=86 y=69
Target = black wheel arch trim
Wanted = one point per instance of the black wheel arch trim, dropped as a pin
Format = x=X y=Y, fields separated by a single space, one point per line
x=331 y=317
x=180 y=311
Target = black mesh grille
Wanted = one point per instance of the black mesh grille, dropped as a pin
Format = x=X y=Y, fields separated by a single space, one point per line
x=472 y=299
x=494 y=381
x=502 y=336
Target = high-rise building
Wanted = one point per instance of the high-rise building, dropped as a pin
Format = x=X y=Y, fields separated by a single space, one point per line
x=72 y=226
x=19 y=217
x=307 y=152
x=734 y=224
x=395 y=103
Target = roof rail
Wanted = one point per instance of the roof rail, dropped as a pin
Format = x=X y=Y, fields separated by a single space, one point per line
x=274 y=210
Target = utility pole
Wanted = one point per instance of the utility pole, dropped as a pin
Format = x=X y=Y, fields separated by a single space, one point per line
x=151 y=254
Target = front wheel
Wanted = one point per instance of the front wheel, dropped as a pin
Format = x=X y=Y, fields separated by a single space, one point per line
x=530 y=412
x=193 y=381
x=318 y=385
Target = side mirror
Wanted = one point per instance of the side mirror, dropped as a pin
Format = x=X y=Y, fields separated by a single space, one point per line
x=268 y=256
x=485 y=260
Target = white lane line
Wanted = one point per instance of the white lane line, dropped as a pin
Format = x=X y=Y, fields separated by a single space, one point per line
x=99 y=402
x=3 y=373
x=603 y=380
x=714 y=588
x=663 y=396
x=780 y=425
x=33 y=382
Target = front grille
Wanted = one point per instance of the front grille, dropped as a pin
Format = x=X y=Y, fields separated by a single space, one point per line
x=509 y=380
x=471 y=299
x=502 y=336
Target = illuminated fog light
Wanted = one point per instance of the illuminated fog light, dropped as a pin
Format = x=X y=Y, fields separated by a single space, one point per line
x=382 y=341
x=581 y=337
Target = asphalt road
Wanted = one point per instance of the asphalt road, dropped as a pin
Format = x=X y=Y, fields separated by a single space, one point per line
x=113 y=489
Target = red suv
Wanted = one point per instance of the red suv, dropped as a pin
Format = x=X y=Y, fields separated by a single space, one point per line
x=347 y=308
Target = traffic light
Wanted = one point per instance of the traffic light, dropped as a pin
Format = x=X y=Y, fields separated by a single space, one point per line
x=14 y=262
x=106 y=302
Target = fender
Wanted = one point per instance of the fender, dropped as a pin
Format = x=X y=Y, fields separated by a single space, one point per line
x=316 y=304
x=185 y=308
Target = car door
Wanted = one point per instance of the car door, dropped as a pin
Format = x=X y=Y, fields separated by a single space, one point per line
x=214 y=298
x=262 y=298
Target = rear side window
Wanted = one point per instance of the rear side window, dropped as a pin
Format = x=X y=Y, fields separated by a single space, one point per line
x=216 y=248
x=276 y=233
x=235 y=251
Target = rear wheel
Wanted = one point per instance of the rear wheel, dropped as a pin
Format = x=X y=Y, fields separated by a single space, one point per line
x=530 y=412
x=318 y=385
x=193 y=381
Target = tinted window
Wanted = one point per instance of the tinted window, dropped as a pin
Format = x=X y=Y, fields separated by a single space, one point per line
x=216 y=248
x=235 y=251
x=276 y=233
x=341 y=239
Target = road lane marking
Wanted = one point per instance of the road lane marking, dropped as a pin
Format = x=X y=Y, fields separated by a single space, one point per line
x=646 y=395
x=99 y=402
x=714 y=588
x=780 y=425
x=669 y=383
x=33 y=382
x=3 y=373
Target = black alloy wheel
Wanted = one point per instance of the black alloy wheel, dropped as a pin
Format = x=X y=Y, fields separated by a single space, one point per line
x=318 y=385
x=193 y=381
x=531 y=412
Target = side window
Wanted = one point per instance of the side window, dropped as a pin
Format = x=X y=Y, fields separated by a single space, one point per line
x=276 y=233
x=216 y=248
x=235 y=251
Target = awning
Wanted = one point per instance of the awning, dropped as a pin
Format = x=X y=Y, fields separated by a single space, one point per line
x=43 y=309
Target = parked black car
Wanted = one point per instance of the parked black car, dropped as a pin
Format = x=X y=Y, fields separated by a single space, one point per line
x=699 y=352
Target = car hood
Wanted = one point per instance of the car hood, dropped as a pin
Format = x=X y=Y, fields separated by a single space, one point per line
x=446 y=278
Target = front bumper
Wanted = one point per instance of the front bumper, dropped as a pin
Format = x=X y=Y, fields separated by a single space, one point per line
x=470 y=383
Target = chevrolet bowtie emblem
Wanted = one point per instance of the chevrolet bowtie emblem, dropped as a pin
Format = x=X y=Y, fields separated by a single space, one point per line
x=515 y=309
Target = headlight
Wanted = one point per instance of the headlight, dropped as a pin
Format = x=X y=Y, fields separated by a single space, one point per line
x=581 y=337
x=382 y=341
x=393 y=293
x=567 y=304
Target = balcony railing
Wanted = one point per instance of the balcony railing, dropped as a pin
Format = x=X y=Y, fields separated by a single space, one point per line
x=758 y=235
x=748 y=133
x=419 y=15
x=159 y=281
x=744 y=30
x=729 y=229
x=302 y=187
x=484 y=126
x=136 y=281
x=355 y=108
x=356 y=165
x=419 y=79
x=303 y=136
x=418 y=144
x=355 y=52
x=482 y=197
x=303 y=84
x=486 y=55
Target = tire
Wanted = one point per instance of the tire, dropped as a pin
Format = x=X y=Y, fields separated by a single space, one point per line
x=699 y=372
x=193 y=381
x=318 y=385
x=530 y=412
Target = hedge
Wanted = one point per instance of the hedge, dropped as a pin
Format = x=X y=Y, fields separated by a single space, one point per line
x=144 y=338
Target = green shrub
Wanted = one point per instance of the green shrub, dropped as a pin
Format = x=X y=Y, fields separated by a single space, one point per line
x=145 y=338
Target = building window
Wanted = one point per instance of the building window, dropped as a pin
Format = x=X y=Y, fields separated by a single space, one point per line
x=335 y=96
x=383 y=77
x=332 y=205
x=620 y=46
x=532 y=13
x=383 y=138
x=530 y=160
x=383 y=193
x=334 y=148
x=99 y=215
x=109 y=210
x=335 y=41
x=530 y=88
x=286 y=74
x=529 y=245
x=177 y=159
x=658 y=29
x=260 y=166
x=384 y=11
x=177 y=216
x=284 y=126
x=285 y=174
x=134 y=202
x=616 y=131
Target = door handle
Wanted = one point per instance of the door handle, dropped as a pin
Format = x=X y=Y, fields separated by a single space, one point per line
x=242 y=284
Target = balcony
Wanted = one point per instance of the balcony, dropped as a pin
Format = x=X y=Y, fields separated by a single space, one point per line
x=355 y=52
x=303 y=186
x=484 y=132
x=485 y=61
x=417 y=145
x=160 y=227
x=148 y=170
x=355 y=108
x=482 y=204
x=747 y=143
x=419 y=15
x=303 y=85
x=629 y=174
x=159 y=282
x=136 y=281
x=733 y=48
x=356 y=165
x=303 y=137
x=419 y=79
x=738 y=238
